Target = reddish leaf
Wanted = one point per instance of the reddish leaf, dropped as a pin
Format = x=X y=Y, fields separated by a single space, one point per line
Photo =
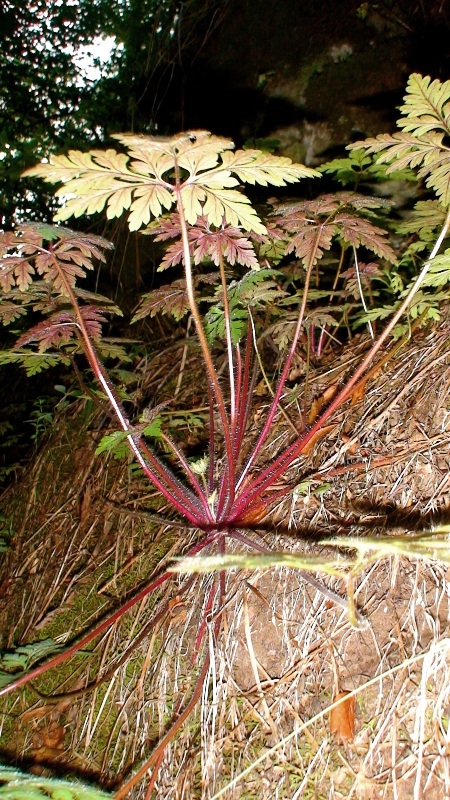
x=170 y=298
x=360 y=232
x=342 y=718
x=206 y=242
x=61 y=327
x=320 y=434
x=314 y=223
x=10 y=311
x=68 y=256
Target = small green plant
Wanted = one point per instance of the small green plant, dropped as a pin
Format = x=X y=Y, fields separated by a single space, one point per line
x=196 y=178
x=16 y=785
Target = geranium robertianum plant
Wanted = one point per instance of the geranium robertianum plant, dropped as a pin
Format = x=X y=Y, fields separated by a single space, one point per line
x=195 y=178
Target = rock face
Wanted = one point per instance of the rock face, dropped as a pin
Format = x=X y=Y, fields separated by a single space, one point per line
x=311 y=74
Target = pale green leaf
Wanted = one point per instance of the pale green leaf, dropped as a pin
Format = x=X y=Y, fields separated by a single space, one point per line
x=254 y=166
x=192 y=198
x=148 y=200
x=426 y=105
x=16 y=785
x=199 y=564
x=235 y=207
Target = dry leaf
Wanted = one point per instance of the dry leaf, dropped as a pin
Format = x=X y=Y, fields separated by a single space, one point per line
x=36 y=713
x=351 y=444
x=359 y=391
x=316 y=438
x=342 y=718
x=177 y=608
x=48 y=738
x=319 y=403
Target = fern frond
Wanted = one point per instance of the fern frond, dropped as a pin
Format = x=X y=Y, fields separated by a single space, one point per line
x=61 y=327
x=426 y=106
x=145 y=182
x=256 y=167
x=361 y=233
x=425 y=123
x=215 y=202
x=312 y=225
x=9 y=311
x=427 y=217
x=25 y=254
x=17 y=785
x=438 y=273
x=206 y=243
x=255 y=290
x=33 y=362
x=171 y=298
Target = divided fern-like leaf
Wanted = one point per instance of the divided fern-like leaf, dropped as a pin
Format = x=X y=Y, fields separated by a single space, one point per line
x=313 y=224
x=198 y=167
x=23 y=657
x=425 y=123
x=33 y=362
x=15 y=785
x=171 y=298
x=255 y=290
x=426 y=106
x=206 y=243
x=24 y=255
x=61 y=327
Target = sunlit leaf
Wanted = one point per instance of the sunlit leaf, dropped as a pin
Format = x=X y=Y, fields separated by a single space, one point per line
x=425 y=121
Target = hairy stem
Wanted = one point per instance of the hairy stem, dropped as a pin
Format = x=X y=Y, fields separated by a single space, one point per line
x=226 y=311
x=75 y=648
x=170 y=488
x=190 y=475
x=212 y=374
x=276 y=399
x=256 y=487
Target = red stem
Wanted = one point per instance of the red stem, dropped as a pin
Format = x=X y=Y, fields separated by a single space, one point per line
x=212 y=374
x=42 y=668
x=276 y=398
x=156 y=757
x=278 y=467
x=34 y=673
x=190 y=476
x=174 y=492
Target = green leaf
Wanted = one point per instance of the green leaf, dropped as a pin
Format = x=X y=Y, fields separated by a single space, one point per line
x=425 y=123
x=143 y=182
x=114 y=443
x=24 y=656
x=215 y=323
x=33 y=363
x=153 y=431
x=16 y=785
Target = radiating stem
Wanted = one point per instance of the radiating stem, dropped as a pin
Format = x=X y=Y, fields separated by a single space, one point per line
x=212 y=374
x=75 y=648
x=175 y=494
x=190 y=475
x=156 y=757
x=274 y=407
x=226 y=311
x=268 y=476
